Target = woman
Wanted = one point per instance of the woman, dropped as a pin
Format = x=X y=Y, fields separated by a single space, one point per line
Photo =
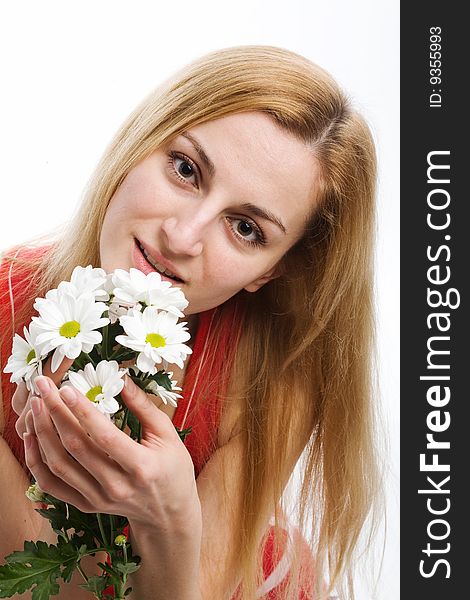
x=250 y=180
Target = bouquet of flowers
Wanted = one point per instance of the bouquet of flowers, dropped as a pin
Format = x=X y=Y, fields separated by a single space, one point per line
x=101 y=322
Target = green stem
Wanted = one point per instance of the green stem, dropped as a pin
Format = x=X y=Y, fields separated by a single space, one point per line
x=120 y=588
x=79 y=568
x=111 y=526
x=116 y=353
x=105 y=342
x=100 y=524
x=95 y=550
x=82 y=573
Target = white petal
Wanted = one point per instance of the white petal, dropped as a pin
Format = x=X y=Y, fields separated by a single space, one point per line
x=50 y=314
x=128 y=342
x=90 y=337
x=110 y=405
x=133 y=326
x=146 y=364
x=90 y=374
x=105 y=370
x=42 y=338
x=73 y=348
x=78 y=381
x=57 y=358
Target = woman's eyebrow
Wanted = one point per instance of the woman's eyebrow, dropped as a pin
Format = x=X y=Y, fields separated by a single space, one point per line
x=263 y=213
x=200 y=150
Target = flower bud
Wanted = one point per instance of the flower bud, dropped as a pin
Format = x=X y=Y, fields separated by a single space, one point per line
x=120 y=540
x=34 y=493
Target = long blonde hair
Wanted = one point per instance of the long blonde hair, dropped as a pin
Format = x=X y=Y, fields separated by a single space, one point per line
x=304 y=363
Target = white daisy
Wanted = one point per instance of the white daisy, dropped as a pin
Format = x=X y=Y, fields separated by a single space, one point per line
x=134 y=286
x=24 y=363
x=69 y=325
x=100 y=386
x=84 y=280
x=167 y=396
x=156 y=336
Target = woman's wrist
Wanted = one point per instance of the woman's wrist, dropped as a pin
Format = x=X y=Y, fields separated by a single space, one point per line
x=170 y=558
x=179 y=522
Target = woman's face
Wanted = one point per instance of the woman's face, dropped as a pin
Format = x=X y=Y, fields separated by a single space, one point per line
x=218 y=206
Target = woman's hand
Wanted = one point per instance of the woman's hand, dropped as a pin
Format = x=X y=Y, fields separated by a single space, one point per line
x=21 y=400
x=79 y=456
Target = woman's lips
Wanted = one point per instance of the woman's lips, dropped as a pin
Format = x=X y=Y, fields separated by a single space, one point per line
x=141 y=263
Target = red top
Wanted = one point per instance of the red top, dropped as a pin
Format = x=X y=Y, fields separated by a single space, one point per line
x=12 y=297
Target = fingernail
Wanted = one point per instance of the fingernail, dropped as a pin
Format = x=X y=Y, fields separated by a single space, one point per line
x=36 y=406
x=128 y=383
x=43 y=385
x=68 y=395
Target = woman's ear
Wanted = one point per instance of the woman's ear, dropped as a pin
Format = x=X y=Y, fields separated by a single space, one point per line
x=255 y=285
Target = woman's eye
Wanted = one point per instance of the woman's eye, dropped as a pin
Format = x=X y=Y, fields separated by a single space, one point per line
x=248 y=232
x=184 y=168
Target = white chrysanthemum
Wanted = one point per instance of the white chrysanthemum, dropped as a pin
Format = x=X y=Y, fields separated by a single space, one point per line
x=156 y=336
x=134 y=286
x=167 y=396
x=100 y=385
x=84 y=280
x=69 y=325
x=24 y=364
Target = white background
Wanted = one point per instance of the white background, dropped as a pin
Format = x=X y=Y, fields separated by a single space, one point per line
x=72 y=71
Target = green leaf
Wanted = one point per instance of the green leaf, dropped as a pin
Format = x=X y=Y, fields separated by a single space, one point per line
x=96 y=584
x=183 y=432
x=65 y=517
x=39 y=563
x=134 y=425
x=80 y=362
x=126 y=568
x=70 y=568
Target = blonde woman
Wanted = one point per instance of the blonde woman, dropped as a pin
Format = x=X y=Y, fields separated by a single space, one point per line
x=248 y=179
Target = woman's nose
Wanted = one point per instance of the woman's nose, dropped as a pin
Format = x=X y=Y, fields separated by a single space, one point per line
x=183 y=236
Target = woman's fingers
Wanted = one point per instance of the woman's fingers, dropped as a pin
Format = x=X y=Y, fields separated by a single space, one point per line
x=155 y=422
x=20 y=404
x=47 y=480
x=117 y=444
x=29 y=423
x=60 y=463
x=76 y=438
x=20 y=398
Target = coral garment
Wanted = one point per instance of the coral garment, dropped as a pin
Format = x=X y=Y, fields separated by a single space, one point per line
x=202 y=417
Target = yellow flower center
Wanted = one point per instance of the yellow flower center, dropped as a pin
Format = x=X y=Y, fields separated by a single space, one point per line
x=93 y=392
x=70 y=329
x=155 y=340
x=120 y=540
x=31 y=355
